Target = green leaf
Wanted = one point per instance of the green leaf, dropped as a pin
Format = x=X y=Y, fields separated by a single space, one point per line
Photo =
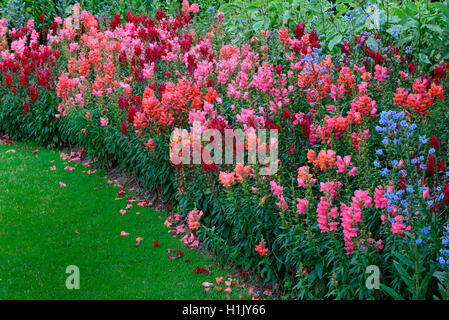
x=334 y=41
x=319 y=270
x=441 y=276
x=425 y=282
x=391 y=292
x=434 y=27
x=258 y=25
x=404 y=275
x=423 y=58
x=286 y=17
x=267 y=23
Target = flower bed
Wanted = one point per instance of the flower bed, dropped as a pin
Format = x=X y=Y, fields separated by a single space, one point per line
x=361 y=178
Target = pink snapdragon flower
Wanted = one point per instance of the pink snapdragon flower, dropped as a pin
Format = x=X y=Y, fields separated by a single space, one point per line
x=277 y=190
x=398 y=226
x=324 y=215
x=342 y=164
x=379 y=200
x=329 y=188
x=302 y=205
x=194 y=8
x=194 y=218
x=381 y=73
x=104 y=121
x=425 y=193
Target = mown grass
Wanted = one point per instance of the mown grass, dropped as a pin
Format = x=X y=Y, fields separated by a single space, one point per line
x=45 y=228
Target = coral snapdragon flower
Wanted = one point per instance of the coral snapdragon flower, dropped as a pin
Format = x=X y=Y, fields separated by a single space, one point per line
x=226 y=179
x=261 y=248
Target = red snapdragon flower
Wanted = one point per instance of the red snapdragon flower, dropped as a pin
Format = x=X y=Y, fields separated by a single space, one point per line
x=26 y=107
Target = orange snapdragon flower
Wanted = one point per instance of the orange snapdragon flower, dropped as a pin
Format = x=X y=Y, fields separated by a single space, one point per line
x=226 y=179
x=436 y=91
x=326 y=159
x=150 y=144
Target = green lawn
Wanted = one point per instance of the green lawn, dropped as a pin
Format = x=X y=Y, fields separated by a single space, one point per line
x=44 y=228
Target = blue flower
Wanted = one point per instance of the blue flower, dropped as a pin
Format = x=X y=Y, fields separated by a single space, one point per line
x=385 y=141
x=423 y=139
x=379 y=152
x=426 y=230
x=418 y=241
x=395 y=32
x=376 y=164
x=431 y=150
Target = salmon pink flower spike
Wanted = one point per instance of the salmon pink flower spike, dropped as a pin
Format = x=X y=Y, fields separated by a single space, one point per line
x=226 y=179
x=324 y=214
x=193 y=219
x=248 y=171
x=277 y=190
x=185 y=7
x=104 y=121
x=304 y=176
x=260 y=248
x=302 y=205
